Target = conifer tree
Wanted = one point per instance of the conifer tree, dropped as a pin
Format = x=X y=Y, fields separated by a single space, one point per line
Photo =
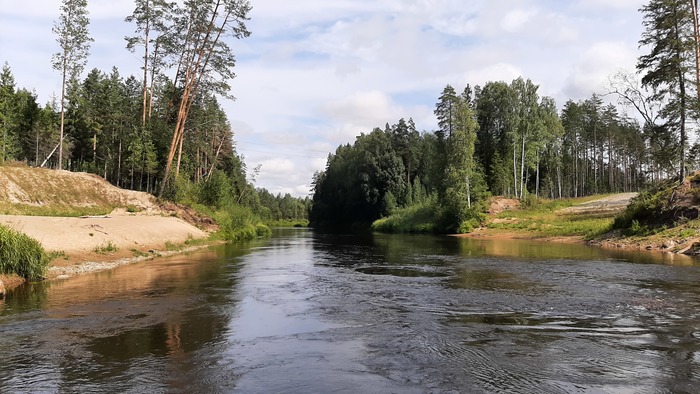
x=670 y=36
x=74 y=45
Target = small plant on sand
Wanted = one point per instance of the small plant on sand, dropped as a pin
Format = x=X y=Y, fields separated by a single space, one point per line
x=172 y=246
x=138 y=253
x=105 y=248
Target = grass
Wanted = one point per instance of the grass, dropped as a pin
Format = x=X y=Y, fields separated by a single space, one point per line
x=173 y=247
x=236 y=222
x=22 y=255
x=106 y=248
x=419 y=218
x=138 y=253
x=53 y=210
x=545 y=219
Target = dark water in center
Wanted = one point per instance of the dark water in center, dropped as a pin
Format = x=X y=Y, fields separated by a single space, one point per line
x=309 y=313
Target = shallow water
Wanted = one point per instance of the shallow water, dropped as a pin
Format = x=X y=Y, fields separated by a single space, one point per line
x=309 y=313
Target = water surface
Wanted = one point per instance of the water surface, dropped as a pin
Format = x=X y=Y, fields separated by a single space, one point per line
x=309 y=313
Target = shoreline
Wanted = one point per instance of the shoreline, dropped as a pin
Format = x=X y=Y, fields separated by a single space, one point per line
x=67 y=270
x=90 y=244
x=612 y=242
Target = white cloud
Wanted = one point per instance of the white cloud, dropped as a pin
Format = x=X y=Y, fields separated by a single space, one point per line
x=316 y=73
x=591 y=70
x=515 y=19
x=365 y=108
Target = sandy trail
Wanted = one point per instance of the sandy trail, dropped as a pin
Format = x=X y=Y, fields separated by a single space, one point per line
x=612 y=203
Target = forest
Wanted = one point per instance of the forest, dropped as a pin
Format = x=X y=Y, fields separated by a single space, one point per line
x=502 y=138
x=162 y=132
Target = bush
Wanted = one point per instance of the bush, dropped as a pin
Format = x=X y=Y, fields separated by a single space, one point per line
x=529 y=201
x=238 y=223
x=21 y=255
x=644 y=211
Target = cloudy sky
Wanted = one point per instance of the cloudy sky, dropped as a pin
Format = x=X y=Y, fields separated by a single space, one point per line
x=316 y=73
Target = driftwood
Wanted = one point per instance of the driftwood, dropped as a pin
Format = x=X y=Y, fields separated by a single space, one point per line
x=95 y=217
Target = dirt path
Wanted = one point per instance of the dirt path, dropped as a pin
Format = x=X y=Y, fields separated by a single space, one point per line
x=608 y=204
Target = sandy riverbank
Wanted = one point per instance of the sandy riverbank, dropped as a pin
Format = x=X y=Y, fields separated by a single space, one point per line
x=82 y=243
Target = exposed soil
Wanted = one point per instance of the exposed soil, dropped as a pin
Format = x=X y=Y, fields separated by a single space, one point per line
x=609 y=204
x=45 y=187
x=500 y=204
x=93 y=242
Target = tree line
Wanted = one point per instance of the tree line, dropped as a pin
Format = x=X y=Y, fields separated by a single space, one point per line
x=499 y=139
x=163 y=131
x=504 y=139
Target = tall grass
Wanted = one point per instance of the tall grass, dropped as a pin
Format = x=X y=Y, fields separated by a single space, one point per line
x=239 y=223
x=543 y=218
x=216 y=199
x=421 y=218
x=21 y=255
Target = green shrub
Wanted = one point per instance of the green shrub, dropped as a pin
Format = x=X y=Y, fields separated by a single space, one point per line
x=647 y=209
x=529 y=201
x=21 y=255
x=417 y=218
x=262 y=230
x=105 y=248
x=239 y=223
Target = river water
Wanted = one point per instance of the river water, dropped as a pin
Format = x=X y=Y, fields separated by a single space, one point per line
x=309 y=313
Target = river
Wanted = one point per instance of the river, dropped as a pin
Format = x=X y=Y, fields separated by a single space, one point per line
x=309 y=313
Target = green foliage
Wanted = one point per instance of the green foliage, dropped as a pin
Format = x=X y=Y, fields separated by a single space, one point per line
x=429 y=217
x=238 y=223
x=21 y=255
x=650 y=212
x=172 y=247
x=361 y=182
x=421 y=217
x=217 y=191
x=529 y=201
x=542 y=217
x=106 y=248
x=667 y=68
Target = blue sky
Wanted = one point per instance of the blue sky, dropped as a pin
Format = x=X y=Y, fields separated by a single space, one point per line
x=317 y=73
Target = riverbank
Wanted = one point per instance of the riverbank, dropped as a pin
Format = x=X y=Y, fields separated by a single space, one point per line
x=584 y=220
x=94 y=243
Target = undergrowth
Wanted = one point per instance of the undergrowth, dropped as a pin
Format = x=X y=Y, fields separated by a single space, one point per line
x=215 y=198
x=105 y=248
x=418 y=218
x=544 y=218
x=428 y=217
x=21 y=255
x=650 y=212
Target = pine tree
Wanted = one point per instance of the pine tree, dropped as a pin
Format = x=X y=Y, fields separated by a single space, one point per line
x=670 y=36
x=74 y=43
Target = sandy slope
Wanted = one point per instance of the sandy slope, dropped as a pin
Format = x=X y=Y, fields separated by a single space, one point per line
x=125 y=231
